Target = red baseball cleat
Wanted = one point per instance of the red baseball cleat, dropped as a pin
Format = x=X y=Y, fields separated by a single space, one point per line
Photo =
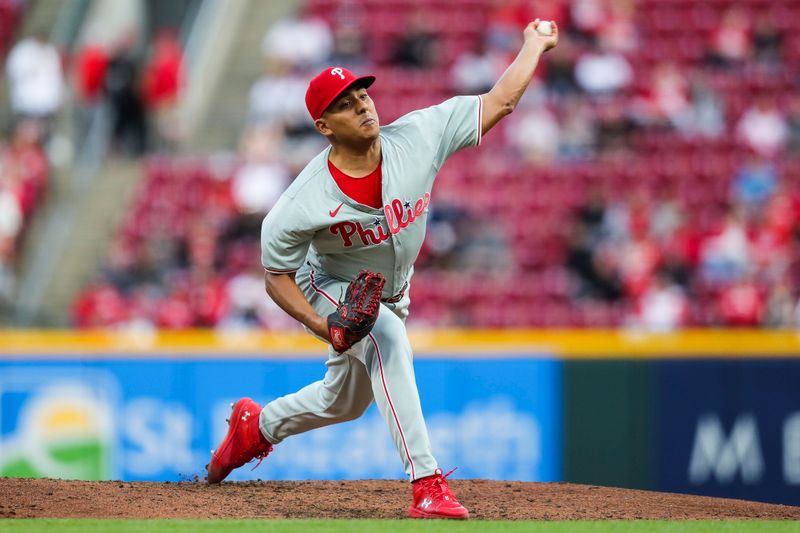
x=434 y=499
x=243 y=443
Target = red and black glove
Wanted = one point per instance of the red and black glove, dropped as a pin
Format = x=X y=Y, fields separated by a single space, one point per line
x=357 y=313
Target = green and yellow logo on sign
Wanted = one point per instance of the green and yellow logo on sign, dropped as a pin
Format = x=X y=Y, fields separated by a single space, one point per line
x=55 y=428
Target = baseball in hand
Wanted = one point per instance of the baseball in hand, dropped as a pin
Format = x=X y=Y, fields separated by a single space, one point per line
x=545 y=28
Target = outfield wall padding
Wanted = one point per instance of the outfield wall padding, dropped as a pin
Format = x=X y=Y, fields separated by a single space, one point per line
x=702 y=412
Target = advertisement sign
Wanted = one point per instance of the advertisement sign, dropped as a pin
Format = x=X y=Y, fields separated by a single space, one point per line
x=730 y=428
x=158 y=419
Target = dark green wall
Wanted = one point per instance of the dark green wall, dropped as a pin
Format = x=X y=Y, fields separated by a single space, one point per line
x=608 y=412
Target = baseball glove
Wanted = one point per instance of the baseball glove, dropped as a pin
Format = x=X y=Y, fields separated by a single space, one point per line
x=357 y=313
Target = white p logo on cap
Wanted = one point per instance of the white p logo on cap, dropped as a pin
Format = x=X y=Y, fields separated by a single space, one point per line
x=337 y=72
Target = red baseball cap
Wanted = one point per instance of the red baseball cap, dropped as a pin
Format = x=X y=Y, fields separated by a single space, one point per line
x=328 y=85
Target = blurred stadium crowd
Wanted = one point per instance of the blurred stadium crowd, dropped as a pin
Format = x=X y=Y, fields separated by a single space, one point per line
x=23 y=164
x=650 y=177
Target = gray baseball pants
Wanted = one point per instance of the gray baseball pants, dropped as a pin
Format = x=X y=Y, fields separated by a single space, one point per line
x=379 y=367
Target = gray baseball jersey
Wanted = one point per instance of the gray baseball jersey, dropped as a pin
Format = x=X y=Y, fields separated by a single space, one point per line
x=327 y=238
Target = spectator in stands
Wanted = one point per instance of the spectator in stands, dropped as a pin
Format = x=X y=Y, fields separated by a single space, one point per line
x=666 y=215
x=675 y=264
x=206 y=297
x=527 y=10
x=142 y=305
x=90 y=64
x=706 y=116
x=277 y=97
x=672 y=235
x=592 y=214
x=767 y=39
x=665 y=102
x=504 y=20
x=535 y=132
x=475 y=71
x=448 y=235
x=161 y=253
x=259 y=181
x=99 y=306
x=587 y=18
x=731 y=41
x=559 y=76
x=244 y=301
x=602 y=71
x=10 y=11
x=123 y=89
x=614 y=127
x=638 y=258
x=619 y=30
x=35 y=79
x=174 y=309
x=595 y=278
x=742 y=303
x=616 y=221
x=10 y=226
x=163 y=81
x=662 y=307
x=753 y=184
x=679 y=242
x=10 y=218
x=417 y=45
x=349 y=48
x=126 y=271
x=772 y=237
x=26 y=164
x=201 y=246
x=505 y=17
x=725 y=256
x=782 y=214
x=23 y=175
x=487 y=250
x=763 y=127
x=779 y=309
x=301 y=41
x=771 y=256
x=247 y=308
x=578 y=139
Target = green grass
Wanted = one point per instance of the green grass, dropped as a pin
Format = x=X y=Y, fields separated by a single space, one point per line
x=392 y=526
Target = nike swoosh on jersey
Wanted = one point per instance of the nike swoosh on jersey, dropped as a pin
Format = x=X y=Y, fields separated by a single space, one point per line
x=335 y=211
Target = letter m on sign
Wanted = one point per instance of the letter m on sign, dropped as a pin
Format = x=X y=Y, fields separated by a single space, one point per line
x=714 y=454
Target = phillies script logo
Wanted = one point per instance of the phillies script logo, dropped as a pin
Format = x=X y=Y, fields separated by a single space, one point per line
x=398 y=216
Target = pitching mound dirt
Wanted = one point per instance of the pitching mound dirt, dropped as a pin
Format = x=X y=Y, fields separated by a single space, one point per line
x=488 y=500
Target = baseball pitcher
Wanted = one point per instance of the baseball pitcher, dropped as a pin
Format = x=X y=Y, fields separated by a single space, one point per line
x=338 y=251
